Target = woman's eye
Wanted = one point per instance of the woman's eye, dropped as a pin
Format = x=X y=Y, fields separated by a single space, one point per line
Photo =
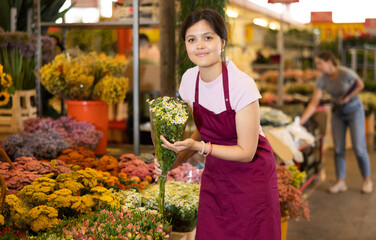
x=208 y=38
x=190 y=40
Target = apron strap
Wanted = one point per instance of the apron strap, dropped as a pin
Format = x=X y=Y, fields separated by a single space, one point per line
x=196 y=88
x=225 y=86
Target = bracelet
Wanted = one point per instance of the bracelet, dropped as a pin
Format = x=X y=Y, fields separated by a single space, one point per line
x=203 y=148
x=210 y=150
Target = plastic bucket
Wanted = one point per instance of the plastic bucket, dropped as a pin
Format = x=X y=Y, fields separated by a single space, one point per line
x=94 y=112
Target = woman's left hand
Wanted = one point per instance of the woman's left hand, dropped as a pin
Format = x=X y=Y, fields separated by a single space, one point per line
x=344 y=100
x=179 y=146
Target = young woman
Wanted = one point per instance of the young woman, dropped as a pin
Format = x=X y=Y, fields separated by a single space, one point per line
x=348 y=113
x=239 y=191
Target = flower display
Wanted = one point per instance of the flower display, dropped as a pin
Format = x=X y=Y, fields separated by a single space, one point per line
x=7 y=233
x=186 y=173
x=181 y=203
x=14 y=212
x=109 y=164
x=134 y=167
x=5 y=85
x=110 y=89
x=75 y=133
x=168 y=117
x=79 y=76
x=17 y=52
x=80 y=156
x=129 y=199
x=121 y=182
x=115 y=224
x=42 y=217
x=292 y=204
x=38 y=144
x=28 y=169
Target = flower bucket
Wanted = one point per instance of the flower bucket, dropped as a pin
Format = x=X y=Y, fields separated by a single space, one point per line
x=284 y=223
x=94 y=112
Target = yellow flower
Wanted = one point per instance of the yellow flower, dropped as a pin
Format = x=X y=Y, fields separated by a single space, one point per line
x=4 y=98
x=72 y=185
x=83 y=204
x=60 y=198
x=136 y=179
x=111 y=89
x=42 y=218
x=105 y=196
x=87 y=177
x=1 y=219
x=36 y=192
x=15 y=212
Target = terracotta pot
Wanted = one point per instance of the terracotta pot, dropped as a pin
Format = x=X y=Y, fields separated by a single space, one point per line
x=94 y=112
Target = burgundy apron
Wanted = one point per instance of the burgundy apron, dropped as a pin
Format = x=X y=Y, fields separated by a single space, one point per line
x=237 y=200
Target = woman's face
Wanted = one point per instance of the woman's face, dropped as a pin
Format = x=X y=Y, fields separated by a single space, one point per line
x=203 y=44
x=322 y=65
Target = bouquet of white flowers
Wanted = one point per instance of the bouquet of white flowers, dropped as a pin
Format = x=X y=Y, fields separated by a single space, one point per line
x=168 y=117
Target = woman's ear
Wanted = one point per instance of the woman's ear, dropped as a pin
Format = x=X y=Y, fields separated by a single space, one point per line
x=223 y=44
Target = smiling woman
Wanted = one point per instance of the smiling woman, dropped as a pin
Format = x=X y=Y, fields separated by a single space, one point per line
x=239 y=194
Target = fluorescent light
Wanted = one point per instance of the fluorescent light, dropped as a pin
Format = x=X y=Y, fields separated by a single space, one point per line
x=231 y=13
x=274 y=26
x=260 y=22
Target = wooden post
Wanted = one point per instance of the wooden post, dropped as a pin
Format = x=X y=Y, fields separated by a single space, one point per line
x=168 y=47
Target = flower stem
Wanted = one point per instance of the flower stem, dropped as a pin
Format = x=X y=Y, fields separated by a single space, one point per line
x=161 y=197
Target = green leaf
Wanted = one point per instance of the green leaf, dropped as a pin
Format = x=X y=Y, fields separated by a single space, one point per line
x=5 y=15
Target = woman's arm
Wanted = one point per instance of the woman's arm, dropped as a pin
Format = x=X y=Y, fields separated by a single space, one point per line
x=311 y=108
x=353 y=93
x=247 y=127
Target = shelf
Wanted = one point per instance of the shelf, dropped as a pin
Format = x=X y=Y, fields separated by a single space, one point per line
x=109 y=24
x=265 y=66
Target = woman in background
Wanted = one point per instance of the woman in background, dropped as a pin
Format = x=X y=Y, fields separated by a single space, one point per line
x=343 y=85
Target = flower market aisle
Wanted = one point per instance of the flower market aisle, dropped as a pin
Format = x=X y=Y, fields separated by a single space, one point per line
x=350 y=215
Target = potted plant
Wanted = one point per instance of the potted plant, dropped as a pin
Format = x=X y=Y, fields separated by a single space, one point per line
x=88 y=83
x=292 y=204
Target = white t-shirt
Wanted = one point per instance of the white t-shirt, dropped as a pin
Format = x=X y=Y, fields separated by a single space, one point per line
x=242 y=90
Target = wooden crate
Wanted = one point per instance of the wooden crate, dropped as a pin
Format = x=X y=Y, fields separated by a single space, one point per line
x=23 y=107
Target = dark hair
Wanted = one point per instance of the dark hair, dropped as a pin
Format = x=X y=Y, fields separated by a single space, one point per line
x=328 y=56
x=214 y=19
x=144 y=40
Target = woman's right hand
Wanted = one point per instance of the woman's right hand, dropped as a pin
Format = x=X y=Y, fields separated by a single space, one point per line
x=179 y=146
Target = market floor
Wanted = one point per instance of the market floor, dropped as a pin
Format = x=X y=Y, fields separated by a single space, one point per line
x=350 y=215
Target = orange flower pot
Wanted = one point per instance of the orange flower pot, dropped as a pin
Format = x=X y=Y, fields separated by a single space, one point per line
x=94 y=112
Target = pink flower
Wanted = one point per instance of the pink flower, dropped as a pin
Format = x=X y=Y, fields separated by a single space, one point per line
x=129 y=226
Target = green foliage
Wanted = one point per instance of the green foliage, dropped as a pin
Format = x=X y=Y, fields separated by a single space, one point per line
x=49 y=12
x=89 y=40
x=186 y=7
x=331 y=46
x=369 y=86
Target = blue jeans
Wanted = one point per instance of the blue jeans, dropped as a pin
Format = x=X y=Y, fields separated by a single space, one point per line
x=350 y=115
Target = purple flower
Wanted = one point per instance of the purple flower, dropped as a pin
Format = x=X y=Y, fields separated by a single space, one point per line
x=48 y=48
